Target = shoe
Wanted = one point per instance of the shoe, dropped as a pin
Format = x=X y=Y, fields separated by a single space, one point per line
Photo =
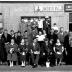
x=34 y=66
x=11 y=65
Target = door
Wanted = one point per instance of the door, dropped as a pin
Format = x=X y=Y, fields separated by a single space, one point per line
x=26 y=22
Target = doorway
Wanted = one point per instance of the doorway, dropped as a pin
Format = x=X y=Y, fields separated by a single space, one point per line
x=26 y=22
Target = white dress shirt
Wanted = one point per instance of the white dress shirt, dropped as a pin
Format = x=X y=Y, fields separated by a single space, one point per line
x=40 y=24
x=40 y=38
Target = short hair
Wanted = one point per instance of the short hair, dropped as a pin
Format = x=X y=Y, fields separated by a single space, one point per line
x=12 y=31
x=15 y=32
x=61 y=27
x=25 y=31
x=54 y=23
x=19 y=32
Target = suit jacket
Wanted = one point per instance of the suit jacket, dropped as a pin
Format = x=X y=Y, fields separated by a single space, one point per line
x=61 y=37
x=8 y=39
x=36 y=47
x=22 y=48
x=53 y=37
x=9 y=46
x=44 y=25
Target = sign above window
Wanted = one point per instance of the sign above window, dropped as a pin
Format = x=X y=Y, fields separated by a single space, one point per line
x=68 y=7
x=49 y=8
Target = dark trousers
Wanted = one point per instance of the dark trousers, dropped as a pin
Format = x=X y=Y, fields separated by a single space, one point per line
x=42 y=46
x=40 y=29
x=35 y=58
x=52 y=59
x=32 y=58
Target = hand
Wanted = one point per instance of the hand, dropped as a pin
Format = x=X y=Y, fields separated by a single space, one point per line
x=31 y=51
x=7 y=43
x=50 y=53
x=18 y=49
x=66 y=52
x=26 y=49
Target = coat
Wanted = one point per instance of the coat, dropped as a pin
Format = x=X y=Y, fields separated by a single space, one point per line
x=22 y=48
x=8 y=39
x=11 y=56
x=19 y=39
x=61 y=37
x=54 y=38
x=36 y=47
x=22 y=51
x=2 y=50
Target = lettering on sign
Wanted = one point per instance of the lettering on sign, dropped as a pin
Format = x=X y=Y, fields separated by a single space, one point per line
x=49 y=8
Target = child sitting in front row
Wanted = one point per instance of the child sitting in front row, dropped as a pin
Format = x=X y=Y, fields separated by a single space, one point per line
x=58 y=49
x=22 y=50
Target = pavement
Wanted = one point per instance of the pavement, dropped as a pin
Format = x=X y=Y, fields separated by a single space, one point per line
x=63 y=68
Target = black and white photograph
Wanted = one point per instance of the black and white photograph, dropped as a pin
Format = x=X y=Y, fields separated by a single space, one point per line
x=35 y=35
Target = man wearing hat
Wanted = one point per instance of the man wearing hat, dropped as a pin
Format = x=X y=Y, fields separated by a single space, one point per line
x=46 y=25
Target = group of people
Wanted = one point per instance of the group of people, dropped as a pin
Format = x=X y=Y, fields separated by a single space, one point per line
x=38 y=47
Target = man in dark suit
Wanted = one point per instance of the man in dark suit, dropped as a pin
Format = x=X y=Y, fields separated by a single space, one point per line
x=61 y=35
x=7 y=38
x=46 y=26
x=52 y=40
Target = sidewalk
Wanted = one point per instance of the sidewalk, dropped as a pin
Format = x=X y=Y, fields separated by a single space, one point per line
x=63 y=68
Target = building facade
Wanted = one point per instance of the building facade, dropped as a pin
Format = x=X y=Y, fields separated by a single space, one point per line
x=11 y=13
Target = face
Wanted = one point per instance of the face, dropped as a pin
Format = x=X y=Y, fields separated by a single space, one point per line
x=19 y=34
x=44 y=31
x=22 y=41
x=40 y=33
x=0 y=36
x=12 y=32
x=15 y=34
x=35 y=40
x=26 y=43
x=25 y=33
x=46 y=42
x=52 y=30
x=61 y=29
x=39 y=18
x=5 y=31
x=12 y=40
x=50 y=41
x=58 y=41
x=55 y=24
x=70 y=34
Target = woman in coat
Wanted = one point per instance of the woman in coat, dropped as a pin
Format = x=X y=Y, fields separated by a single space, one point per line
x=12 y=52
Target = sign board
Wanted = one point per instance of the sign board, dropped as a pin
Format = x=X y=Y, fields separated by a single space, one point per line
x=49 y=8
x=68 y=7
